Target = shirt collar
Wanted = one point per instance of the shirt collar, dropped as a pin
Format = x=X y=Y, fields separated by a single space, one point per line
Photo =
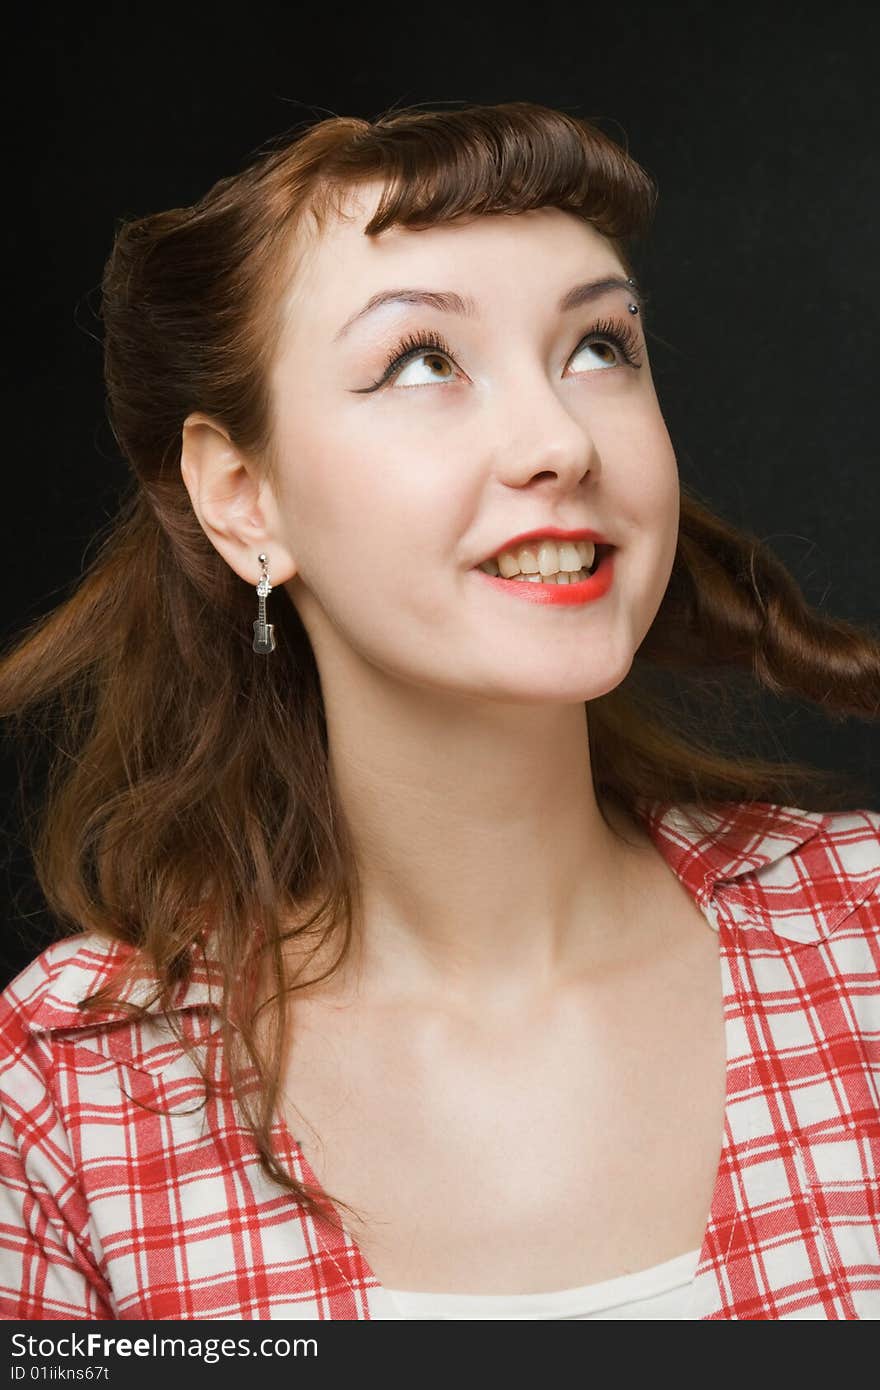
x=780 y=871
x=88 y=961
x=787 y=872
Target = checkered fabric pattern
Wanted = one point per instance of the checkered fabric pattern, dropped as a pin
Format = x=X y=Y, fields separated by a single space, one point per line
x=123 y=1198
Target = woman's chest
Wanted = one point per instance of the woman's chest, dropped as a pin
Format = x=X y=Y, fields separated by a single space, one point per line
x=573 y=1144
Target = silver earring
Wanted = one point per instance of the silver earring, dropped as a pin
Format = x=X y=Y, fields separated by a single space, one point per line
x=264 y=636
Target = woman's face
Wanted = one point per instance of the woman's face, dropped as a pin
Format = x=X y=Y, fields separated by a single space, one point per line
x=389 y=498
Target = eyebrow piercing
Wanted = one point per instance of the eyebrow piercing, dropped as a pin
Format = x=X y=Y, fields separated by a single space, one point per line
x=633 y=308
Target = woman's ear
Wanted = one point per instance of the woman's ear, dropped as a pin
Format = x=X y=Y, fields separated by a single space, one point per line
x=237 y=511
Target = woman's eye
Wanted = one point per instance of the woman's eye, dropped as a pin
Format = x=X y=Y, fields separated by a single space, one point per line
x=439 y=368
x=612 y=343
x=421 y=360
x=604 y=355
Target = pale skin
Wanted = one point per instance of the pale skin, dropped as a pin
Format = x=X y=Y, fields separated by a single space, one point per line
x=518 y=1075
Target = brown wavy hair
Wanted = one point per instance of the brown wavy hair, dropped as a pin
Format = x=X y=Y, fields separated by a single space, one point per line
x=190 y=791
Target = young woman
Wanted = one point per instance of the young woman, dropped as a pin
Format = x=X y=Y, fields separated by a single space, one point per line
x=416 y=963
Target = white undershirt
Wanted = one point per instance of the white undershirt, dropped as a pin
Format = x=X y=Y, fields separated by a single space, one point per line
x=663 y=1291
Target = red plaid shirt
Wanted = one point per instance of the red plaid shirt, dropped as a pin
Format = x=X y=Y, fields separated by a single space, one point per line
x=112 y=1208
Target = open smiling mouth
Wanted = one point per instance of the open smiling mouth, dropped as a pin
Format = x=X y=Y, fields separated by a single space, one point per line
x=564 y=588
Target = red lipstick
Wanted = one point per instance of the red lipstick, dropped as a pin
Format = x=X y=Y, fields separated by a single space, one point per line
x=597 y=584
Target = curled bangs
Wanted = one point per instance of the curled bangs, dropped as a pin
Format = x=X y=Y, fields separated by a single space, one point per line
x=436 y=167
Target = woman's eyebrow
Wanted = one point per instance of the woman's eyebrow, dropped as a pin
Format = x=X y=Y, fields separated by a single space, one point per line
x=451 y=303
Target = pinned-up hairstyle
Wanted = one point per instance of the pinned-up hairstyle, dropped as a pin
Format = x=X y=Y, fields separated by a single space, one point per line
x=191 y=792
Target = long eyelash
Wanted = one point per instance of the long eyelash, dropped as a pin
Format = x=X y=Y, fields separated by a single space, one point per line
x=622 y=335
x=616 y=331
x=411 y=346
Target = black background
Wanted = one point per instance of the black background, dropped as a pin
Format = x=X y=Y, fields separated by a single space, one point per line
x=759 y=126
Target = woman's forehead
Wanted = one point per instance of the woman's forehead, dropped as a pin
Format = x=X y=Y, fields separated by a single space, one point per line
x=339 y=269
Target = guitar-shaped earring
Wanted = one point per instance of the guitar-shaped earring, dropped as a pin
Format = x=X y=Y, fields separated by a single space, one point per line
x=264 y=637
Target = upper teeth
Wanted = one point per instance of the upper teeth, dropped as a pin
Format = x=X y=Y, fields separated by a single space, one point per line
x=544 y=557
